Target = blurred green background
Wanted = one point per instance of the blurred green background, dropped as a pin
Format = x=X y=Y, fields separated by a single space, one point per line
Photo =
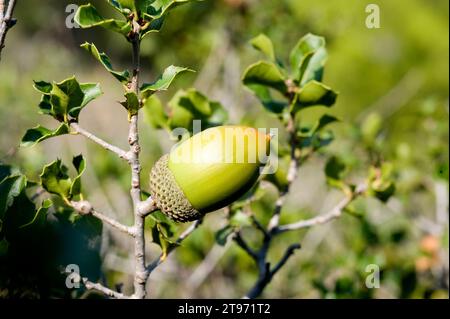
x=393 y=84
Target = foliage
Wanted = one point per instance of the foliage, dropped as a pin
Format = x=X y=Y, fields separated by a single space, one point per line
x=403 y=137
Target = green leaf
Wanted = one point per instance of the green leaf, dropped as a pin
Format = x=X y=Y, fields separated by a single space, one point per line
x=263 y=44
x=40 y=133
x=314 y=93
x=263 y=94
x=66 y=99
x=80 y=165
x=223 y=233
x=131 y=103
x=154 y=112
x=198 y=101
x=335 y=170
x=240 y=219
x=123 y=77
x=46 y=204
x=381 y=183
x=87 y=16
x=10 y=187
x=219 y=114
x=266 y=74
x=371 y=127
x=157 y=8
x=164 y=81
x=91 y=91
x=55 y=180
x=160 y=234
x=321 y=123
x=189 y=105
x=154 y=26
x=307 y=58
x=43 y=87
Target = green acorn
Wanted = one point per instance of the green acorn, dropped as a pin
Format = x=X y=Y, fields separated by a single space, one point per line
x=208 y=171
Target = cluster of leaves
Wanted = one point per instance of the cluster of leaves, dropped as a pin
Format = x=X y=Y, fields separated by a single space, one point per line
x=65 y=100
x=285 y=92
x=37 y=240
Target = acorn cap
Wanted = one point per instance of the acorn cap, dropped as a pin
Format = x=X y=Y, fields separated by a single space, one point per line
x=208 y=171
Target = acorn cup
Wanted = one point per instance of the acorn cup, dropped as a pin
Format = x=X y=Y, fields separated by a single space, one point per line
x=208 y=171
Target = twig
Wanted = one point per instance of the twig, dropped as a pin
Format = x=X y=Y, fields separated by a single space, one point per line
x=291 y=176
x=121 y=153
x=6 y=21
x=241 y=242
x=85 y=208
x=106 y=291
x=288 y=253
x=180 y=239
x=334 y=213
x=141 y=273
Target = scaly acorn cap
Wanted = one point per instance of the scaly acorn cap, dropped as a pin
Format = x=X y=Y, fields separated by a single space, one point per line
x=208 y=171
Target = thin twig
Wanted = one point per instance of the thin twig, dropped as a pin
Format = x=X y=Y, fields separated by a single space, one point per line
x=291 y=176
x=241 y=242
x=105 y=290
x=6 y=21
x=121 y=153
x=334 y=213
x=289 y=252
x=85 y=208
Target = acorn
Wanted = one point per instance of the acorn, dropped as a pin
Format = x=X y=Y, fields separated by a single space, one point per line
x=208 y=171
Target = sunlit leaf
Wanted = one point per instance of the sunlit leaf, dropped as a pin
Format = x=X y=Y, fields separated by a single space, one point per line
x=55 y=180
x=87 y=16
x=264 y=44
x=123 y=76
x=266 y=74
x=164 y=81
x=40 y=133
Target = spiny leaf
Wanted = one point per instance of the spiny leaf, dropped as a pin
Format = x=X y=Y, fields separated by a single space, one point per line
x=131 y=103
x=46 y=204
x=123 y=76
x=10 y=187
x=265 y=73
x=80 y=165
x=264 y=44
x=87 y=16
x=66 y=98
x=55 y=180
x=164 y=81
x=40 y=133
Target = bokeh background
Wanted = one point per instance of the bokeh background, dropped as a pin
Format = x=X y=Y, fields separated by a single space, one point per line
x=393 y=85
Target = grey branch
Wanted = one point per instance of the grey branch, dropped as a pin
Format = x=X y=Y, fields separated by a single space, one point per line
x=106 y=291
x=6 y=20
x=141 y=273
x=79 y=130
x=147 y=207
x=180 y=239
x=85 y=208
x=334 y=213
